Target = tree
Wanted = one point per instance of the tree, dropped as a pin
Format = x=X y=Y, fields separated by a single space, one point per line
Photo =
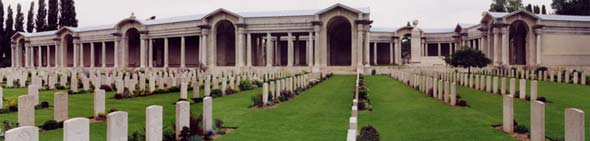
x=68 y=14
x=498 y=6
x=1 y=20
x=41 y=17
x=505 y=5
x=529 y=8
x=571 y=7
x=19 y=20
x=543 y=10
x=536 y=9
x=468 y=58
x=9 y=24
x=30 y=18
x=514 y=5
x=52 y=15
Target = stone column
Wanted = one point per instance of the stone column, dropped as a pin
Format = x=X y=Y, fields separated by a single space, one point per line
x=165 y=52
x=309 y=49
x=182 y=52
x=391 y=52
x=269 y=50
x=142 y=50
x=497 y=47
x=398 y=51
x=206 y=51
x=151 y=53
x=439 y=49
x=505 y=45
x=75 y=53
x=103 y=58
x=92 y=55
x=57 y=54
x=538 y=32
x=249 y=49
x=117 y=40
x=26 y=55
x=317 y=45
x=367 y=49
x=39 y=56
x=240 y=47
x=375 y=53
x=81 y=48
x=290 y=49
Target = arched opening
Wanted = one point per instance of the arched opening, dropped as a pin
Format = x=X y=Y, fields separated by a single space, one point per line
x=339 y=42
x=68 y=44
x=226 y=43
x=133 y=45
x=518 y=43
x=406 y=43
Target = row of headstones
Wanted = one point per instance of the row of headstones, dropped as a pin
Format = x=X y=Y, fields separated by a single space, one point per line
x=577 y=77
x=353 y=120
x=574 y=120
x=445 y=91
x=274 y=88
x=78 y=129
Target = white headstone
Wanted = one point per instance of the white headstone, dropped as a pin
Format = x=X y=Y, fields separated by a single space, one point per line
x=537 y=120
x=508 y=114
x=183 y=90
x=534 y=91
x=522 y=90
x=512 y=86
x=77 y=129
x=207 y=114
x=182 y=116
x=265 y=93
x=26 y=111
x=24 y=133
x=574 y=124
x=153 y=123
x=60 y=110
x=1 y=97
x=99 y=102
x=34 y=93
x=117 y=126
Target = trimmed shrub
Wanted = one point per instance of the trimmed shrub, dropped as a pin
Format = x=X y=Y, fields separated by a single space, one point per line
x=373 y=72
x=368 y=133
x=521 y=129
x=51 y=125
x=542 y=99
x=216 y=93
x=246 y=85
x=462 y=103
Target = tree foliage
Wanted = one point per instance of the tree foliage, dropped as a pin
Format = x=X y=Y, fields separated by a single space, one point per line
x=52 y=15
x=30 y=18
x=467 y=58
x=40 y=22
x=19 y=20
x=505 y=5
x=571 y=7
x=68 y=14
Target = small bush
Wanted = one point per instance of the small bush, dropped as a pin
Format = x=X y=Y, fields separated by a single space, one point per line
x=462 y=103
x=257 y=100
x=542 y=99
x=229 y=91
x=216 y=93
x=246 y=85
x=218 y=123
x=42 y=105
x=373 y=72
x=118 y=96
x=106 y=88
x=368 y=133
x=174 y=89
x=521 y=129
x=51 y=125
x=258 y=83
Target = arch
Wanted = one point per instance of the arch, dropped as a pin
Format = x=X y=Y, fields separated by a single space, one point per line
x=339 y=42
x=518 y=34
x=67 y=42
x=406 y=44
x=132 y=41
x=225 y=36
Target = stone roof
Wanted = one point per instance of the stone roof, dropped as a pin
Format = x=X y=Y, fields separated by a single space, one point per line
x=543 y=17
x=438 y=30
x=195 y=17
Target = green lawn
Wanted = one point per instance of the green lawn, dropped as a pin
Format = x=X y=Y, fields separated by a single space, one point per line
x=559 y=95
x=402 y=113
x=320 y=113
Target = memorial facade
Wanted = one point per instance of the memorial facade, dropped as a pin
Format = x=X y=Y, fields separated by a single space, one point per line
x=335 y=38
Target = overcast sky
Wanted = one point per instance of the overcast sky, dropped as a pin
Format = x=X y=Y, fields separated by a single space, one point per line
x=384 y=13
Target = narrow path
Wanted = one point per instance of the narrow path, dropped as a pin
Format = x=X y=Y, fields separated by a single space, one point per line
x=402 y=113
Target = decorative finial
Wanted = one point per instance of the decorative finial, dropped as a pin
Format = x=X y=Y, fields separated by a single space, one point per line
x=132 y=15
x=415 y=23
